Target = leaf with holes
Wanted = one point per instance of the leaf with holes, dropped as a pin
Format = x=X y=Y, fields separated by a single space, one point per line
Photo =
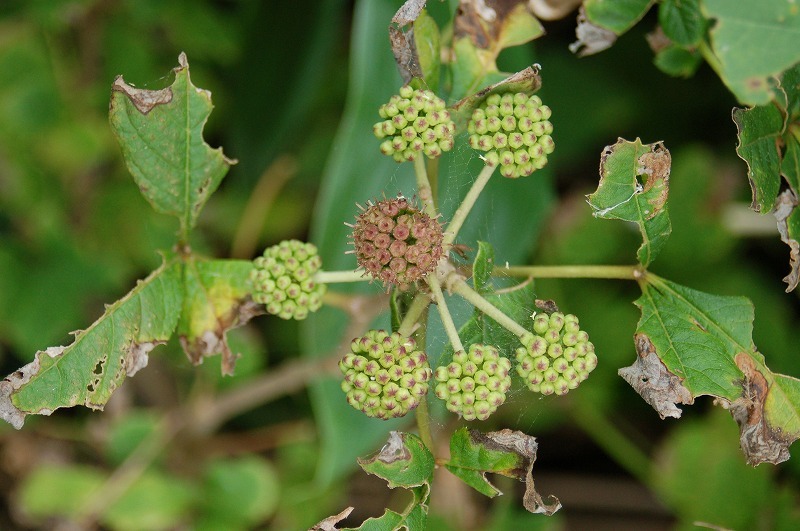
x=634 y=184
x=217 y=299
x=506 y=452
x=161 y=136
x=115 y=346
x=692 y=343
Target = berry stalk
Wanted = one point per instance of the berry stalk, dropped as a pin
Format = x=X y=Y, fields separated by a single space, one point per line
x=415 y=311
x=447 y=319
x=455 y=284
x=331 y=277
x=424 y=187
x=631 y=272
x=466 y=205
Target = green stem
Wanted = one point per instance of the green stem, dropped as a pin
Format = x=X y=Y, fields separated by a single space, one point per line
x=447 y=319
x=712 y=60
x=330 y=277
x=615 y=443
x=424 y=186
x=466 y=205
x=415 y=311
x=424 y=423
x=460 y=287
x=627 y=272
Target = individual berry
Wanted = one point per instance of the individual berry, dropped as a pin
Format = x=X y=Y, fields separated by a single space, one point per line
x=385 y=376
x=557 y=356
x=475 y=383
x=396 y=243
x=515 y=132
x=283 y=279
x=414 y=122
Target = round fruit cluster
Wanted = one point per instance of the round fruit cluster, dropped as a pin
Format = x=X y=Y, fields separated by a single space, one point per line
x=557 y=356
x=283 y=279
x=414 y=122
x=514 y=130
x=474 y=384
x=397 y=243
x=385 y=376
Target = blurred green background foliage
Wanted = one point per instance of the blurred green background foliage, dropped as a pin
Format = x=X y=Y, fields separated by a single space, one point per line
x=296 y=87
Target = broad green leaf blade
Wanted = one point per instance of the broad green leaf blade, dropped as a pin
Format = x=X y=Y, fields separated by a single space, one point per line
x=242 y=491
x=217 y=299
x=154 y=501
x=506 y=452
x=753 y=41
x=427 y=44
x=682 y=21
x=482 y=267
x=759 y=129
x=634 y=185
x=692 y=343
x=404 y=461
x=161 y=136
x=58 y=490
x=677 y=61
x=95 y=364
x=618 y=15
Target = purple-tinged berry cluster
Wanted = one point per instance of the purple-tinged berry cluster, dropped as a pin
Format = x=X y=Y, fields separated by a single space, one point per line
x=397 y=243
x=514 y=130
x=283 y=279
x=474 y=384
x=385 y=376
x=414 y=122
x=557 y=356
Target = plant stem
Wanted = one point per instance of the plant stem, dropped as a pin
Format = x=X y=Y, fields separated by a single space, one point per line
x=444 y=313
x=626 y=272
x=466 y=205
x=415 y=311
x=602 y=431
x=424 y=423
x=331 y=277
x=458 y=286
x=711 y=59
x=424 y=186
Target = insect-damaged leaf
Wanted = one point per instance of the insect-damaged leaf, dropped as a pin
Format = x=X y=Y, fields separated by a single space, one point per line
x=404 y=461
x=759 y=129
x=161 y=136
x=692 y=343
x=217 y=299
x=94 y=365
x=506 y=452
x=414 y=37
x=634 y=184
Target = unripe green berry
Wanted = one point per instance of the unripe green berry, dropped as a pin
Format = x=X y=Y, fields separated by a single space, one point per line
x=282 y=280
x=419 y=119
x=474 y=383
x=388 y=390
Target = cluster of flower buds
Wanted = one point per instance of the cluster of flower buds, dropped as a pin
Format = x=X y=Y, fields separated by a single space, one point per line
x=557 y=356
x=385 y=376
x=283 y=279
x=474 y=384
x=514 y=130
x=397 y=243
x=414 y=122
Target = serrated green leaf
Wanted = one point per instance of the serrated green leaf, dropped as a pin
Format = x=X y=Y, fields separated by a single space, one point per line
x=634 y=185
x=217 y=298
x=677 y=61
x=692 y=343
x=753 y=41
x=482 y=266
x=509 y=453
x=618 y=15
x=95 y=364
x=759 y=129
x=790 y=165
x=161 y=136
x=518 y=27
x=427 y=43
x=682 y=21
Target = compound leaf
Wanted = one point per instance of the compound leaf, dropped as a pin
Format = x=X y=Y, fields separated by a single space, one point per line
x=95 y=364
x=753 y=41
x=691 y=343
x=161 y=136
x=506 y=452
x=634 y=184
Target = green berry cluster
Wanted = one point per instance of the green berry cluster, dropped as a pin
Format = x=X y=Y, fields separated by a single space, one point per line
x=557 y=356
x=283 y=279
x=397 y=243
x=514 y=130
x=385 y=376
x=414 y=122
x=474 y=384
